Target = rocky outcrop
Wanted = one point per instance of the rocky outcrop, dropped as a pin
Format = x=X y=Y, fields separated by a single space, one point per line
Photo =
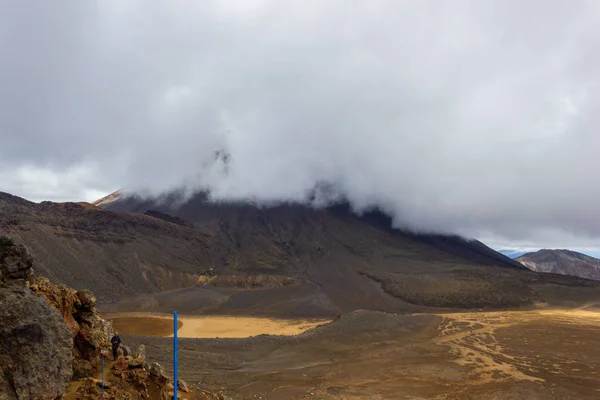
x=35 y=341
x=16 y=265
x=131 y=378
x=90 y=333
x=124 y=350
x=48 y=333
x=51 y=333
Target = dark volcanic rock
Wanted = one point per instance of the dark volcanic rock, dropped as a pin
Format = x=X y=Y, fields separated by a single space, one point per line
x=124 y=350
x=35 y=341
x=15 y=262
x=35 y=347
x=82 y=369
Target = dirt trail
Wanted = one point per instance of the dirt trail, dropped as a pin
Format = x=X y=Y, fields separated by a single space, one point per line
x=473 y=342
x=73 y=386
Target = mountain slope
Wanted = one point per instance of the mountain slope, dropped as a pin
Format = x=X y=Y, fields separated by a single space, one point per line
x=564 y=262
x=336 y=250
x=246 y=221
x=116 y=254
x=288 y=260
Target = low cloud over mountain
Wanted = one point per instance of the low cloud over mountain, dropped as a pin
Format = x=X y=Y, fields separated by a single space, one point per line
x=469 y=117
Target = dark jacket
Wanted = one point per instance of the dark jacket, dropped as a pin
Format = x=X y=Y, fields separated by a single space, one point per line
x=116 y=340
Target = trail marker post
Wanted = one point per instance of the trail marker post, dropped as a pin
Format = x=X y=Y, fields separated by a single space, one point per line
x=175 y=355
x=102 y=355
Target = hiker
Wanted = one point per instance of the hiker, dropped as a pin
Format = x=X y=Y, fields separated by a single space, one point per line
x=116 y=342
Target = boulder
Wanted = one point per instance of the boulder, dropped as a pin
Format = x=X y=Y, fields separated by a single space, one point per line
x=124 y=350
x=139 y=357
x=136 y=363
x=87 y=300
x=157 y=370
x=82 y=369
x=37 y=347
x=16 y=265
x=35 y=341
x=182 y=385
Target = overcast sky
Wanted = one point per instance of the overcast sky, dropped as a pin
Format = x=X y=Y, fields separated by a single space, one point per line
x=475 y=117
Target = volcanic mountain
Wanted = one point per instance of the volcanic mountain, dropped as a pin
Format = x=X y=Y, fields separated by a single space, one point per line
x=286 y=260
x=564 y=262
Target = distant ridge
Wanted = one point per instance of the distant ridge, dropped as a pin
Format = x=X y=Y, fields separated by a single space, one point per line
x=564 y=262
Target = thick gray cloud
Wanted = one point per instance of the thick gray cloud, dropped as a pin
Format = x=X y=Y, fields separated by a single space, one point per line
x=463 y=116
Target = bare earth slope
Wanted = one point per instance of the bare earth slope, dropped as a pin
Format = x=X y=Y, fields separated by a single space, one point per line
x=564 y=262
x=285 y=261
x=350 y=261
x=367 y=355
x=116 y=254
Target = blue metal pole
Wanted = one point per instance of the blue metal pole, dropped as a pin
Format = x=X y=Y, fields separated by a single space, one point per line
x=175 y=355
x=102 y=375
